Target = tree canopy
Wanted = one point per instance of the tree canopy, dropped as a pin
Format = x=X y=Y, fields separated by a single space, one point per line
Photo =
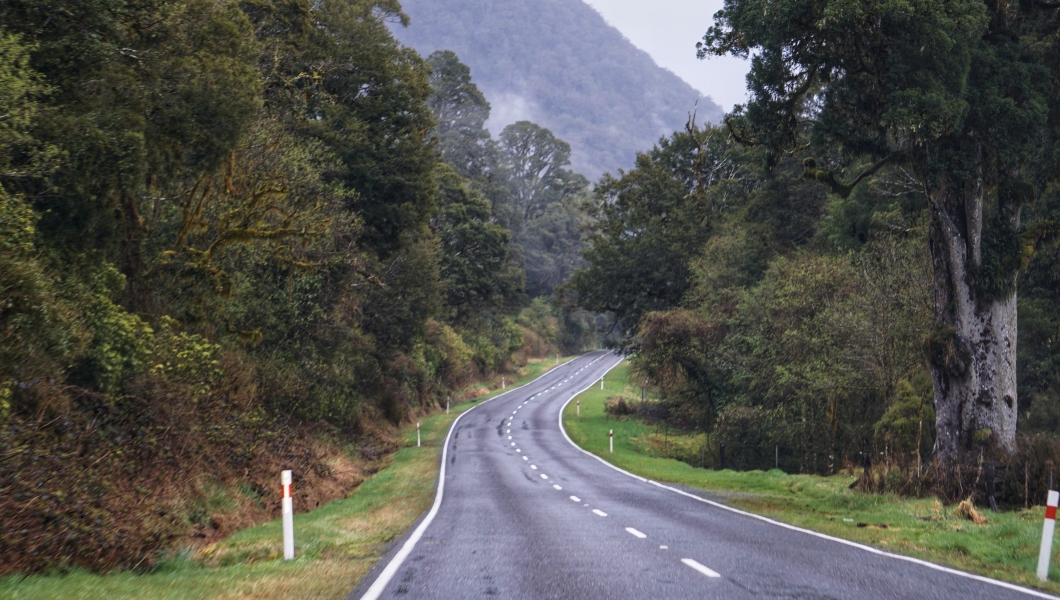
x=962 y=93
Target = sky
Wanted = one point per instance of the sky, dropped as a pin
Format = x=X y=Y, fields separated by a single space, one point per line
x=668 y=30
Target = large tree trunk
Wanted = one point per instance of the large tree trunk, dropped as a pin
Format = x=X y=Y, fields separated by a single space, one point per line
x=972 y=350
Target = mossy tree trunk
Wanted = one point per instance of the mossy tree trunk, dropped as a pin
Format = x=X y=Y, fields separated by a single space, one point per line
x=972 y=350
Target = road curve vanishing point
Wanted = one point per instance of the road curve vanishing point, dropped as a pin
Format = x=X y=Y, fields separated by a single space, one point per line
x=522 y=512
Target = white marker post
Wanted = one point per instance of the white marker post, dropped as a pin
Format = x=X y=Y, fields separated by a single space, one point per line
x=502 y=384
x=1048 y=528
x=417 y=435
x=601 y=383
x=578 y=406
x=611 y=439
x=287 y=508
x=447 y=406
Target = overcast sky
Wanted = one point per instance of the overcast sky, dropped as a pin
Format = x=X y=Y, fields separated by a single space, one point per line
x=668 y=30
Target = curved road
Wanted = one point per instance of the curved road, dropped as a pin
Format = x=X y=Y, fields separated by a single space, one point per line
x=524 y=513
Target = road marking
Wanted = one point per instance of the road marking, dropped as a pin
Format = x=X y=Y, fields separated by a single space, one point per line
x=599 y=512
x=543 y=476
x=518 y=450
x=513 y=443
x=664 y=547
x=391 y=569
x=509 y=437
x=575 y=498
x=509 y=431
x=636 y=533
x=700 y=568
x=557 y=487
x=869 y=549
x=534 y=467
x=524 y=458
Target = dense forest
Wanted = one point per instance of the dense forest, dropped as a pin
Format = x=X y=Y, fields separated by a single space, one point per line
x=239 y=235
x=558 y=63
x=831 y=278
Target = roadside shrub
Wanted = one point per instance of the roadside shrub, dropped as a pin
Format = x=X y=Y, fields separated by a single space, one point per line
x=618 y=406
x=540 y=319
x=909 y=422
x=448 y=354
x=122 y=343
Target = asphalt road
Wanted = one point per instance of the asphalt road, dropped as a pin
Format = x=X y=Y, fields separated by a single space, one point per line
x=524 y=513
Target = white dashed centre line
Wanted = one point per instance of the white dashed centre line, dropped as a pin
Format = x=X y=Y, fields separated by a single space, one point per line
x=513 y=443
x=534 y=467
x=557 y=487
x=636 y=533
x=524 y=458
x=599 y=512
x=700 y=568
x=575 y=498
x=664 y=547
x=509 y=431
x=509 y=437
x=543 y=476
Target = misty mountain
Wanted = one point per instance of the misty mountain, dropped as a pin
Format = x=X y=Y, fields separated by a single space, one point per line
x=559 y=64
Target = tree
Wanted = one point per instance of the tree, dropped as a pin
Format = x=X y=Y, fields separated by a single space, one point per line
x=963 y=93
x=552 y=245
x=475 y=265
x=461 y=112
x=21 y=156
x=372 y=109
x=139 y=94
x=534 y=162
x=647 y=225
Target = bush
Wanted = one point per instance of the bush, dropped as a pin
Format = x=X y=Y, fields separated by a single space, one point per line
x=41 y=332
x=618 y=406
x=449 y=357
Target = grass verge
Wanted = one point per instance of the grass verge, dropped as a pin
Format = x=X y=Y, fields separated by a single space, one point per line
x=335 y=544
x=1004 y=548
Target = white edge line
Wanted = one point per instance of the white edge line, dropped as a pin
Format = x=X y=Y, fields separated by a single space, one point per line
x=563 y=429
x=924 y=563
x=395 y=563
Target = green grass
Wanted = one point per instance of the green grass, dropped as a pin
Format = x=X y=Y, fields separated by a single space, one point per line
x=335 y=544
x=1005 y=548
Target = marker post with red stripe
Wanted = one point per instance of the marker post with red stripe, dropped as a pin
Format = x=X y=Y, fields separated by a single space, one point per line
x=611 y=439
x=1048 y=528
x=287 y=504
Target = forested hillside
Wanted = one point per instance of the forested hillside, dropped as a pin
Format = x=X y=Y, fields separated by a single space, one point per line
x=235 y=237
x=835 y=278
x=558 y=63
